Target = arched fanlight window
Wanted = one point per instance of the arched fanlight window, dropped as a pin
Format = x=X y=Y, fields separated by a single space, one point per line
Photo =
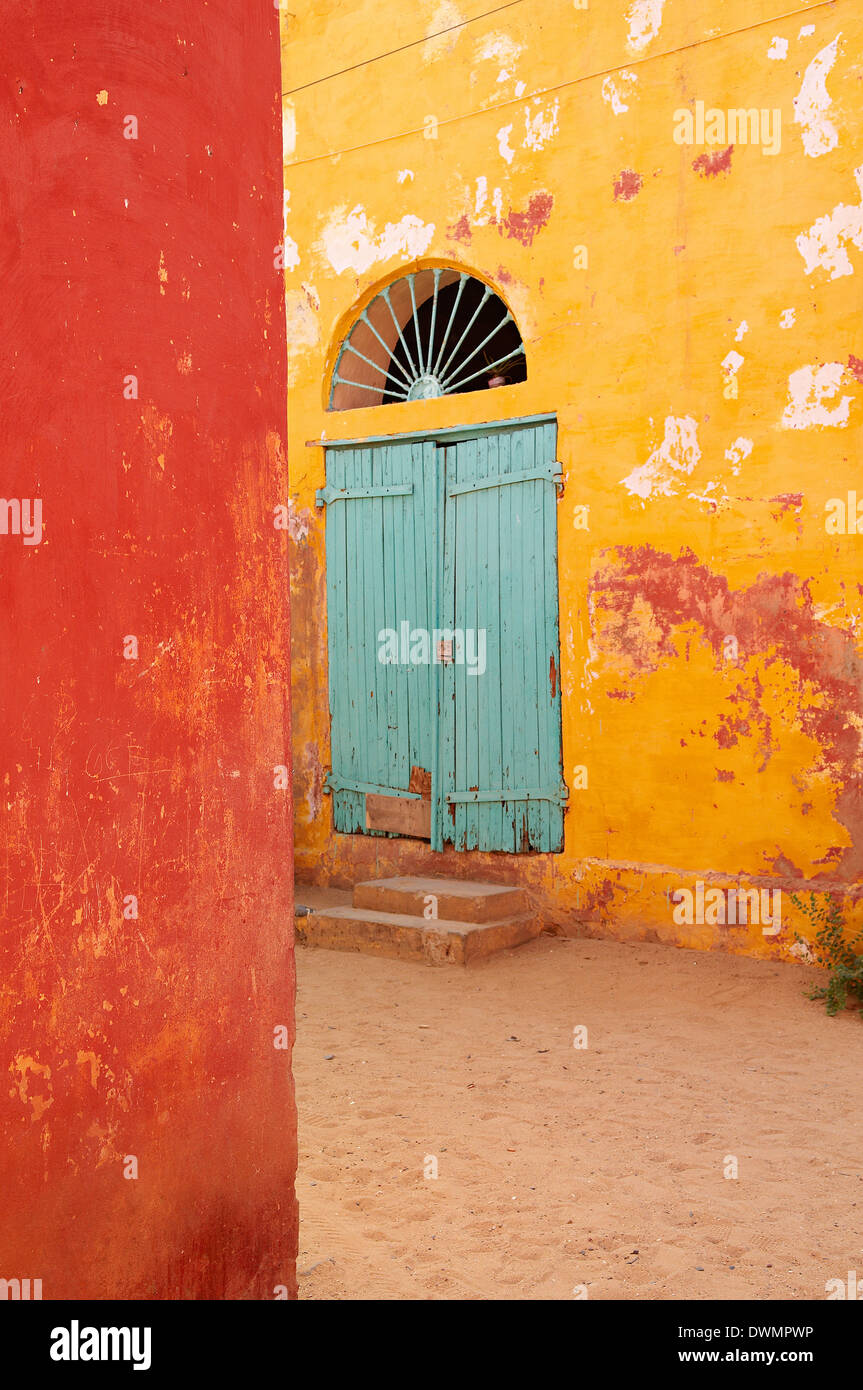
x=434 y=333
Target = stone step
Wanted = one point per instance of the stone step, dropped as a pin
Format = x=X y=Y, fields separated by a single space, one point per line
x=458 y=900
x=408 y=937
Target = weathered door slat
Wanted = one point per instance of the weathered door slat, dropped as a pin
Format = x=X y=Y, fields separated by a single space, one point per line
x=501 y=729
x=381 y=714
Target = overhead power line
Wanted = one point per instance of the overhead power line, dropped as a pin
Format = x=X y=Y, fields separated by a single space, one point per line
x=558 y=86
x=364 y=62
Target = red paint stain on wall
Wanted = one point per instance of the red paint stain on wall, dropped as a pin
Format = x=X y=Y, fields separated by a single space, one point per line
x=524 y=226
x=855 y=366
x=709 y=165
x=638 y=596
x=787 y=501
x=627 y=185
x=145 y=1033
x=460 y=230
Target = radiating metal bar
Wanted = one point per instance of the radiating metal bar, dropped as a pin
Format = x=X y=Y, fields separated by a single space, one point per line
x=470 y=325
x=437 y=274
x=385 y=345
x=349 y=347
x=519 y=352
x=420 y=358
x=463 y=279
x=386 y=295
x=504 y=321
x=345 y=381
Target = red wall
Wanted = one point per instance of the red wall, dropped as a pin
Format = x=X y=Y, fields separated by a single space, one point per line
x=154 y=1036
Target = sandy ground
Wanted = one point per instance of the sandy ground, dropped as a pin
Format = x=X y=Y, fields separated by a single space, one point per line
x=561 y=1167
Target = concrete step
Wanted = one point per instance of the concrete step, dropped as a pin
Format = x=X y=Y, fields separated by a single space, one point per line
x=408 y=937
x=457 y=900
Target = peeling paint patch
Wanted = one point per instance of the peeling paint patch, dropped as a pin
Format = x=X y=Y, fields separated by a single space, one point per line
x=803 y=952
x=446 y=16
x=524 y=226
x=806 y=30
x=678 y=453
x=102 y=97
x=503 y=145
x=300 y=521
x=33 y=1084
x=157 y=430
x=540 y=126
x=808 y=389
x=738 y=452
x=818 y=132
x=350 y=243
x=460 y=230
x=638 y=598
x=498 y=48
x=708 y=165
x=292 y=254
x=787 y=317
x=824 y=243
x=778 y=48
x=405 y=174
x=314 y=795
x=615 y=87
x=302 y=321
x=742 y=328
x=289 y=128
x=627 y=185
x=787 y=502
x=644 y=18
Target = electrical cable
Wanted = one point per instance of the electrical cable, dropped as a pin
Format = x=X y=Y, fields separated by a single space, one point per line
x=559 y=86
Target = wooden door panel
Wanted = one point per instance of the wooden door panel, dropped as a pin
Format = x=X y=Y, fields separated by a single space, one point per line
x=500 y=765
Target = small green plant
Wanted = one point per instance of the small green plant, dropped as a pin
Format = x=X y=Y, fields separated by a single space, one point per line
x=842 y=957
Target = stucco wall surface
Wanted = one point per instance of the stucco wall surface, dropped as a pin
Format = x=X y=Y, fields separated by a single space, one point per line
x=691 y=308
x=148 y=1124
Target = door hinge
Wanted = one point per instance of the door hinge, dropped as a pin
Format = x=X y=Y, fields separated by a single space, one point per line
x=546 y=473
x=558 y=794
x=326 y=495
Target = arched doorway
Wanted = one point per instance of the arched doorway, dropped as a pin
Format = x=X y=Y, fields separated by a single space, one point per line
x=442 y=595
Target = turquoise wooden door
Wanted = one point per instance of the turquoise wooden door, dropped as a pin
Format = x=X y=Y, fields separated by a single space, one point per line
x=458 y=540
x=383 y=511
x=500 y=784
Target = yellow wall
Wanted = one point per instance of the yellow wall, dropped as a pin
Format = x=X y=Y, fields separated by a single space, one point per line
x=699 y=766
